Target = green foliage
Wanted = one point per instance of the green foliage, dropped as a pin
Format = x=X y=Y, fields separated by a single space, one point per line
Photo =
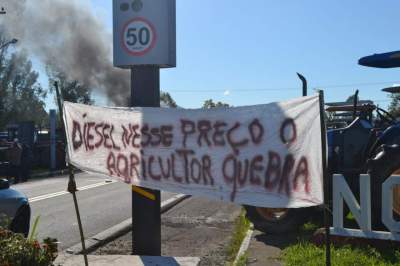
x=242 y=225
x=211 y=104
x=394 y=106
x=350 y=99
x=71 y=90
x=308 y=227
x=21 y=96
x=167 y=99
x=17 y=250
x=5 y=221
x=33 y=233
x=305 y=253
x=242 y=261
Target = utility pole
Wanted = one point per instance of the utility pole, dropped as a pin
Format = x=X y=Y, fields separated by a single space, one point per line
x=53 y=143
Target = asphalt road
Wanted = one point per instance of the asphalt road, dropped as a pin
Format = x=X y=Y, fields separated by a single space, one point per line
x=102 y=205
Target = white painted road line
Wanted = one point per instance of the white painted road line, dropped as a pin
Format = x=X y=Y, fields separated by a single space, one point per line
x=60 y=193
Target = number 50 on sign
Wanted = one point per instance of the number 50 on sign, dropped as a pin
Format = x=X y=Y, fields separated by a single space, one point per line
x=138 y=36
x=145 y=34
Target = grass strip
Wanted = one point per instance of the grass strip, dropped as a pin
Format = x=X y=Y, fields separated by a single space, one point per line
x=242 y=261
x=306 y=253
x=241 y=227
x=303 y=252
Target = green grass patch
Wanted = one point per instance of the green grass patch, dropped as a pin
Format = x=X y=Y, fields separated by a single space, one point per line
x=239 y=233
x=303 y=252
x=350 y=217
x=308 y=228
x=242 y=261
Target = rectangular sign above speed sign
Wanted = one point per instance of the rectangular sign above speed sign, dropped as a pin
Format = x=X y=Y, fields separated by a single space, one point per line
x=144 y=33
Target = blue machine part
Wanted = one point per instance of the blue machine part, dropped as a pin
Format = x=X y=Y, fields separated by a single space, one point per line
x=390 y=136
x=384 y=60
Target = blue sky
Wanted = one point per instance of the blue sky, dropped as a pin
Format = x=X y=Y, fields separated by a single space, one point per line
x=248 y=52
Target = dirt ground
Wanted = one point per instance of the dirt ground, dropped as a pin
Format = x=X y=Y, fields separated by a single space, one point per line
x=266 y=249
x=197 y=227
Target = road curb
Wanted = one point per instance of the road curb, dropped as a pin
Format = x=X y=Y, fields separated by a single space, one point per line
x=120 y=229
x=53 y=173
x=131 y=260
x=50 y=173
x=245 y=244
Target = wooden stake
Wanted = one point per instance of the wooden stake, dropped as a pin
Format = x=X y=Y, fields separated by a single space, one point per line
x=71 y=182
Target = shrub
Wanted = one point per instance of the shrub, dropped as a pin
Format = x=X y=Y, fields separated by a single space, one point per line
x=15 y=250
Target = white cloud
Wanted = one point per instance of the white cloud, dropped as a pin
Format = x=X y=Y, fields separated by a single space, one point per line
x=227 y=92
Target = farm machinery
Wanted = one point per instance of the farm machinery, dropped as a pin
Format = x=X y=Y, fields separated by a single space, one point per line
x=363 y=139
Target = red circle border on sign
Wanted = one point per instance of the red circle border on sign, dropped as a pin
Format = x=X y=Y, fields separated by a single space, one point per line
x=150 y=46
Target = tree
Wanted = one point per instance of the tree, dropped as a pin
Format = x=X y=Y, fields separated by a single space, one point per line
x=21 y=96
x=350 y=99
x=394 y=106
x=71 y=90
x=210 y=104
x=166 y=98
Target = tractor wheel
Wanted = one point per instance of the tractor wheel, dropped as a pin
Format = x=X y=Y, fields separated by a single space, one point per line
x=276 y=221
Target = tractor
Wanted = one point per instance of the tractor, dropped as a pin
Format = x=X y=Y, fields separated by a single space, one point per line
x=358 y=143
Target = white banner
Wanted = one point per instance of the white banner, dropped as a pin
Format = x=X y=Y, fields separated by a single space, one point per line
x=264 y=155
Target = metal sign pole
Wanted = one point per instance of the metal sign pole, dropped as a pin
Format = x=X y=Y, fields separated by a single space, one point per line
x=146 y=217
x=53 y=143
x=326 y=183
x=145 y=40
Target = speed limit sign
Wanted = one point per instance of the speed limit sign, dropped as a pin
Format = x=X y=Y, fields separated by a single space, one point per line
x=138 y=36
x=144 y=33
